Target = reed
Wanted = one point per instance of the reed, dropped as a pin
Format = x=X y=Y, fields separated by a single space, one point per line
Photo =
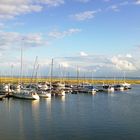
x=65 y=80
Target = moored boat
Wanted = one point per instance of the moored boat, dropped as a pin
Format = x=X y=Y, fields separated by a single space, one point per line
x=105 y=88
x=44 y=94
x=126 y=85
x=94 y=91
x=26 y=94
x=2 y=96
x=58 y=92
x=119 y=87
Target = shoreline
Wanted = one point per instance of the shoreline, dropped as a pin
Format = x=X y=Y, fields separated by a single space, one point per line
x=66 y=80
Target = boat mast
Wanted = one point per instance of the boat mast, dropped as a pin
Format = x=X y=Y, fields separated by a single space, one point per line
x=51 y=75
x=124 y=76
x=60 y=73
x=36 y=75
x=21 y=65
x=12 y=74
x=77 y=76
x=114 y=80
x=92 y=77
x=36 y=59
x=68 y=76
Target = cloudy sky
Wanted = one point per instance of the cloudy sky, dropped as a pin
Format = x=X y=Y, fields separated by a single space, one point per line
x=101 y=37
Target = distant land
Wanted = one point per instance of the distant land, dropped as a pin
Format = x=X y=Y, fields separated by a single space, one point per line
x=73 y=80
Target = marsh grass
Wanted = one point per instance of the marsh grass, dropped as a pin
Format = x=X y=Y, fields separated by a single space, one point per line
x=65 y=80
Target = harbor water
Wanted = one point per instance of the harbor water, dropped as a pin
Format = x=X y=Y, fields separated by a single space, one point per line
x=112 y=116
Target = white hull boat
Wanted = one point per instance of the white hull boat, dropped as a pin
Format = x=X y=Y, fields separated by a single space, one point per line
x=26 y=94
x=126 y=85
x=44 y=94
x=107 y=88
x=94 y=91
x=59 y=92
x=119 y=87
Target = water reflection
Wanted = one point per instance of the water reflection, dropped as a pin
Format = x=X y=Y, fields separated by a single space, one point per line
x=104 y=116
x=35 y=104
x=63 y=106
x=63 y=98
x=49 y=108
x=48 y=102
x=112 y=94
x=35 y=113
x=21 y=124
x=8 y=104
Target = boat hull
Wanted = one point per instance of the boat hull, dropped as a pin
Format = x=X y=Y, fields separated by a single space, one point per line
x=25 y=94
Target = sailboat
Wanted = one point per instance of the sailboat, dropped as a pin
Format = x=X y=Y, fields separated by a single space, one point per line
x=24 y=93
x=43 y=90
x=57 y=89
x=126 y=85
x=119 y=87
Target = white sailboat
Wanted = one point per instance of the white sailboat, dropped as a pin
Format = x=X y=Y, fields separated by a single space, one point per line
x=126 y=85
x=119 y=87
x=43 y=90
x=106 y=88
x=57 y=89
x=44 y=94
x=24 y=93
x=94 y=92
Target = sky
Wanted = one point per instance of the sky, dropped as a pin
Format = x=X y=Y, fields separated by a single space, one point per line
x=97 y=37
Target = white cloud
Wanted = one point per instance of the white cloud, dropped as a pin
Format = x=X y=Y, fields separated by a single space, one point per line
x=64 y=64
x=117 y=7
x=12 y=8
x=52 y=2
x=14 y=1
x=8 y=40
x=114 y=8
x=123 y=63
x=128 y=55
x=101 y=65
x=137 y=2
x=88 y=63
x=61 y=34
x=83 y=54
x=34 y=40
x=86 y=15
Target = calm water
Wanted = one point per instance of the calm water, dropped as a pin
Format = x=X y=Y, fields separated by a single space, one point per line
x=74 y=117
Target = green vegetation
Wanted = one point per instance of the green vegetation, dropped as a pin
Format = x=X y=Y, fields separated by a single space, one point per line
x=65 y=80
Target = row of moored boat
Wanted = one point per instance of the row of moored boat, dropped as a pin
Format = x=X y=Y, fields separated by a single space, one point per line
x=46 y=90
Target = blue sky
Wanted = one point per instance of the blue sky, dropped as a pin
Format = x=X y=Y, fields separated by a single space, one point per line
x=98 y=36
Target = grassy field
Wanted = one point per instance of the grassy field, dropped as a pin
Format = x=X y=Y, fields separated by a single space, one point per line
x=64 y=80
